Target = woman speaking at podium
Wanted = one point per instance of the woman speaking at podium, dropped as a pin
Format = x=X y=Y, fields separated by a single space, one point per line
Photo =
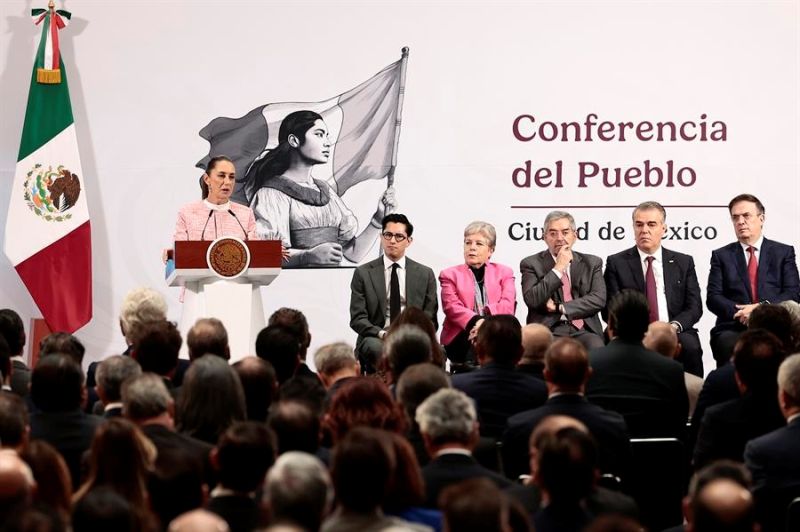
x=215 y=215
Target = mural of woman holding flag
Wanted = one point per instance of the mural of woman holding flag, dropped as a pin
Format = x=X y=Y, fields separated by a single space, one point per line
x=305 y=213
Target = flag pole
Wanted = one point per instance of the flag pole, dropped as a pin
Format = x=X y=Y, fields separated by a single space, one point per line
x=397 y=123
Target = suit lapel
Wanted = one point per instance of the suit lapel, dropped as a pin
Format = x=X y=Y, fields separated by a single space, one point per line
x=379 y=283
x=764 y=265
x=636 y=268
x=671 y=278
x=576 y=274
x=412 y=284
x=741 y=266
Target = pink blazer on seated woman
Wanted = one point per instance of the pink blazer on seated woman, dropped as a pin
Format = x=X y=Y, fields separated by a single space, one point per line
x=458 y=296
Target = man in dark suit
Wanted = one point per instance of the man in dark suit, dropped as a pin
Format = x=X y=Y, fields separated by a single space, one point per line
x=295 y=322
x=562 y=288
x=746 y=273
x=645 y=387
x=382 y=288
x=773 y=459
x=12 y=329
x=111 y=375
x=498 y=390
x=566 y=372
x=449 y=427
x=666 y=277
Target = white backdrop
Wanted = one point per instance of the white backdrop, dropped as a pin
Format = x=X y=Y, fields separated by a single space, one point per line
x=146 y=76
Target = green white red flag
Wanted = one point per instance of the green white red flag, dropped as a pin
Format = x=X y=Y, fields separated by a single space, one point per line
x=47 y=233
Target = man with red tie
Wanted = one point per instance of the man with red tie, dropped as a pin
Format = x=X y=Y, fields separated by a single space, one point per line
x=747 y=273
x=562 y=288
x=666 y=278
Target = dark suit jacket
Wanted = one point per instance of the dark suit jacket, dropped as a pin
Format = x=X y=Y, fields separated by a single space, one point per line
x=449 y=469
x=729 y=285
x=607 y=427
x=719 y=386
x=540 y=283
x=684 y=303
x=242 y=513
x=71 y=433
x=500 y=392
x=368 y=295
x=599 y=502
x=168 y=443
x=648 y=389
x=20 y=378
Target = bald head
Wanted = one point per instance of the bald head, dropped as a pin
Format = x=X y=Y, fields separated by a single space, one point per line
x=722 y=504
x=566 y=366
x=550 y=425
x=662 y=338
x=536 y=338
x=208 y=335
x=198 y=521
x=16 y=484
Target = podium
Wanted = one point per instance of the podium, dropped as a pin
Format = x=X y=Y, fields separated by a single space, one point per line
x=221 y=279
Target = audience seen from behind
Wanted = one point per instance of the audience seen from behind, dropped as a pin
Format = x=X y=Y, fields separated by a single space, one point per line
x=363 y=401
x=662 y=338
x=13 y=331
x=404 y=346
x=208 y=336
x=536 y=338
x=415 y=385
x=259 y=384
x=110 y=376
x=298 y=491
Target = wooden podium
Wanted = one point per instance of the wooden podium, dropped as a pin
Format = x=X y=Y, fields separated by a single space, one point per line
x=231 y=296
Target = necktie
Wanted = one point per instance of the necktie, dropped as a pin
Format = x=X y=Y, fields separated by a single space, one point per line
x=752 y=273
x=566 y=287
x=650 y=290
x=394 y=294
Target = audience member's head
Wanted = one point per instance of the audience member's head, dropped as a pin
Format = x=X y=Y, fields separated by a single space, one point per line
x=296 y=323
x=565 y=466
x=280 y=347
x=14 y=424
x=722 y=505
x=296 y=425
x=775 y=319
x=448 y=419
x=64 y=344
x=416 y=316
x=789 y=385
x=334 y=362
x=176 y=485
x=628 y=316
x=662 y=338
x=403 y=347
x=361 y=469
x=298 y=490
x=757 y=356
x=53 y=483
x=794 y=311
x=536 y=338
x=146 y=397
x=17 y=485
x=406 y=486
x=363 y=401
x=57 y=384
x=259 y=384
x=198 y=521
x=105 y=509
x=475 y=505
x=5 y=362
x=499 y=340
x=13 y=330
x=246 y=450
x=418 y=383
x=208 y=336
x=566 y=366
x=140 y=306
x=157 y=346
x=306 y=390
x=211 y=399
x=111 y=374
x=546 y=428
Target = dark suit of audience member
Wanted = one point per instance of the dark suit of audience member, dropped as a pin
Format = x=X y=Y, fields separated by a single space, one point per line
x=646 y=388
x=57 y=391
x=601 y=501
x=566 y=372
x=499 y=391
x=536 y=338
x=546 y=274
x=735 y=287
x=13 y=331
x=726 y=428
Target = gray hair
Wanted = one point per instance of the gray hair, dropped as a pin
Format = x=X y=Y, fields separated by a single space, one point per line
x=331 y=358
x=484 y=228
x=113 y=372
x=407 y=342
x=558 y=215
x=298 y=482
x=447 y=416
x=789 y=378
x=794 y=309
x=649 y=205
x=417 y=383
x=140 y=306
x=145 y=396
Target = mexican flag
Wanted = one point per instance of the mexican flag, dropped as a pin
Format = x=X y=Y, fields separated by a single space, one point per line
x=47 y=233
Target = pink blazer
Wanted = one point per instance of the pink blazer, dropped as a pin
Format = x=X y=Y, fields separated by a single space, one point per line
x=458 y=295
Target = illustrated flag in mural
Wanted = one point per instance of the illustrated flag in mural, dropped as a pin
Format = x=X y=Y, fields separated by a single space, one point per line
x=363 y=124
x=47 y=233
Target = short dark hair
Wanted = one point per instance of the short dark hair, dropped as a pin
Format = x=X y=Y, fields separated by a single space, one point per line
x=756 y=357
x=246 y=450
x=295 y=322
x=63 y=343
x=566 y=464
x=13 y=419
x=208 y=336
x=277 y=345
x=775 y=319
x=259 y=384
x=12 y=329
x=157 y=347
x=628 y=315
x=567 y=363
x=296 y=425
x=57 y=384
x=417 y=383
x=750 y=198
x=397 y=218
x=5 y=358
x=104 y=509
x=361 y=469
x=500 y=338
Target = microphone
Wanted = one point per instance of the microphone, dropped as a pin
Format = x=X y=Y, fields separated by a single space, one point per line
x=230 y=211
x=203 y=234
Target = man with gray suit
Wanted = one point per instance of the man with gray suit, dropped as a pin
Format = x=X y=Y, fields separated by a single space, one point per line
x=382 y=288
x=564 y=289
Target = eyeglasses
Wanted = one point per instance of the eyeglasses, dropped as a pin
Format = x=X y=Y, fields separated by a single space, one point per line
x=398 y=237
x=745 y=216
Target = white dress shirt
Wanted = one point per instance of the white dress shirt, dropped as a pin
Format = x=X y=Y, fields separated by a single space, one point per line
x=757 y=247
